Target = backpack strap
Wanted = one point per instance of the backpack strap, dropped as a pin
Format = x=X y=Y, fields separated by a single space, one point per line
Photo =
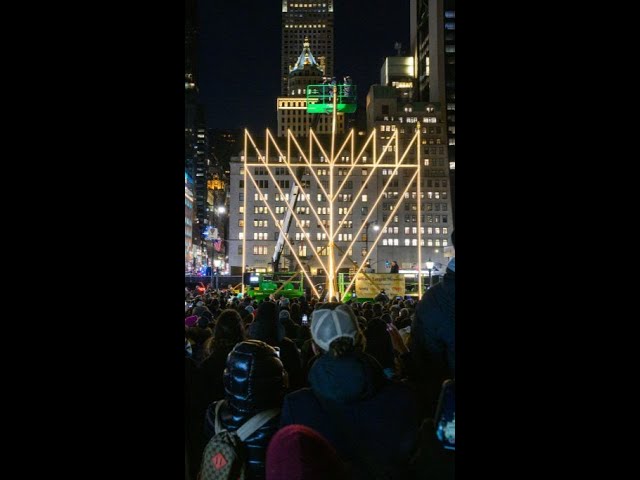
x=255 y=422
x=218 y=426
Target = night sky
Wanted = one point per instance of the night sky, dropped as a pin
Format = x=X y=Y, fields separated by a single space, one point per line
x=239 y=54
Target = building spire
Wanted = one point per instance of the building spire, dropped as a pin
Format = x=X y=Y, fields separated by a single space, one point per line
x=305 y=58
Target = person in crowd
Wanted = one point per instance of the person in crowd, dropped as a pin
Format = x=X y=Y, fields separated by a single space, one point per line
x=394 y=267
x=254 y=381
x=227 y=333
x=268 y=328
x=404 y=319
x=290 y=328
x=198 y=335
x=379 y=344
x=382 y=297
x=296 y=315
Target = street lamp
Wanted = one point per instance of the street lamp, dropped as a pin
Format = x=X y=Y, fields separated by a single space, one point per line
x=221 y=209
x=430 y=265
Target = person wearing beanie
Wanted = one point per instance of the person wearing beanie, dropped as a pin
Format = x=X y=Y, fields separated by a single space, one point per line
x=268 y=328
x=297 y=452
x=254 y=381
x=348 y=386
x=290 y=328
x=433 y=341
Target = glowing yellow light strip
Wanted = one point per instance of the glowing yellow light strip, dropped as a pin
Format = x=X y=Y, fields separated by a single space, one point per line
x=332 y=287
x=244 y=212
x=400 y=199
x=419 y=214
x=352 y=137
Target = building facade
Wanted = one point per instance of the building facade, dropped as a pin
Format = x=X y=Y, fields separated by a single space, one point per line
x=398 y=72
x=299 y=20
x=387 y=113
x=433 y=46
x=292 y=109
x=188 y=223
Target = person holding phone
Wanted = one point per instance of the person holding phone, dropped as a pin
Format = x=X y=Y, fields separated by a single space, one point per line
x=290 y=328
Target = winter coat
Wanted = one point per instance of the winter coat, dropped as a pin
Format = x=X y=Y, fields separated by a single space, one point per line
x=382 y=414
x=254 y=382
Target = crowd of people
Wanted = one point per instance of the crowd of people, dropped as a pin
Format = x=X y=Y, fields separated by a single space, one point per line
x=352 y=391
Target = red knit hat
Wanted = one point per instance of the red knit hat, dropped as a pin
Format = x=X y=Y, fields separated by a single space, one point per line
x=297 y=452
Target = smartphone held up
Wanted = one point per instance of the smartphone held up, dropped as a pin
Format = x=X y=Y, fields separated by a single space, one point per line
x=446 y=416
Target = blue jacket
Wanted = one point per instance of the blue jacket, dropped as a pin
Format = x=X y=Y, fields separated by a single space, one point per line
x=382 y=414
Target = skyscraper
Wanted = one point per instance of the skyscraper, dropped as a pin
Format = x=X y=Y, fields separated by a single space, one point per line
x=299 y=20
x=292 y=109
x=433 y=47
